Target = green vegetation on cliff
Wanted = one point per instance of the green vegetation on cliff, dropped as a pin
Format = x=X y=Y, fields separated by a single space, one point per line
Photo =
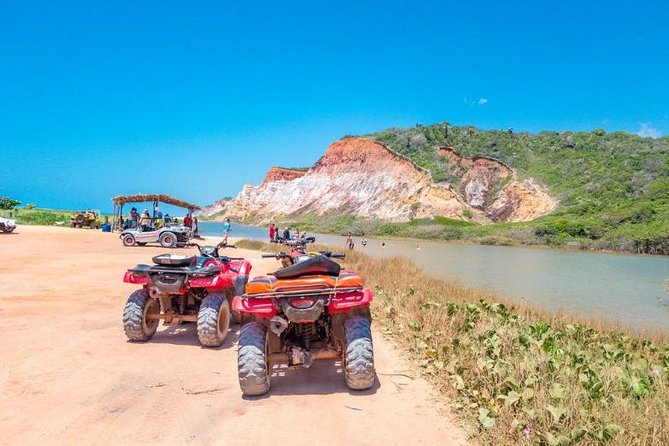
x=613 y=187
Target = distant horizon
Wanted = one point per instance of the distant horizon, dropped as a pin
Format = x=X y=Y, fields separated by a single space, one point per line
x=197 y=100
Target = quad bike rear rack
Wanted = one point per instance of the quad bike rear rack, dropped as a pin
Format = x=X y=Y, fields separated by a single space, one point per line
x=303 y=292
x=199 y=272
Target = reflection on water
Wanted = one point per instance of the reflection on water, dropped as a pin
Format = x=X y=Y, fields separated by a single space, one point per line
x=612 y=287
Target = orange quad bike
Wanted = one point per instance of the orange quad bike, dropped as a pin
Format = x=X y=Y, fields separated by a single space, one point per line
x=310 y=309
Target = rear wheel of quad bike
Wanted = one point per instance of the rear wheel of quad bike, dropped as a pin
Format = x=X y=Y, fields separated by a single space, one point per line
x=213 y=320
x=252 y=359
x=79 y=219
x=93 y=225
x=136 y=316
x=359 y=370
x=128 y=240
x=168 y=240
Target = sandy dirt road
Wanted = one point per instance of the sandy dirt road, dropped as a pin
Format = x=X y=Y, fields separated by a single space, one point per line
x=69 y=376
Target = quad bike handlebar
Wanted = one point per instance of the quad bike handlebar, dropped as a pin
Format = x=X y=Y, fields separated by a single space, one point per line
x=283 y=255
x=212 y=251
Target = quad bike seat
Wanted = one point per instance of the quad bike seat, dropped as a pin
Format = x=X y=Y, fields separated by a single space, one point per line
x=173 y=260
x=316 y=265
x=268 y=284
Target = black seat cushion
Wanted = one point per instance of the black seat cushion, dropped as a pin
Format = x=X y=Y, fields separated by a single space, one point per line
x=316 y=265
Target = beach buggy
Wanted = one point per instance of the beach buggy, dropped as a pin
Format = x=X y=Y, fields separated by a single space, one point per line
x=307 y=310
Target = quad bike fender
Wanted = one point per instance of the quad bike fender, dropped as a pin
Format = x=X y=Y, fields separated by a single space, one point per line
x=216 y=282
x=244 y=268
x=342 y=303
x=134 y=278
x=261 y=307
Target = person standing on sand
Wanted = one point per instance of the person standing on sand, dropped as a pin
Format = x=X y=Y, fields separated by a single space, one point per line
x=272 y=232
x=188 y=221
x=226 y=230
x=196 y=234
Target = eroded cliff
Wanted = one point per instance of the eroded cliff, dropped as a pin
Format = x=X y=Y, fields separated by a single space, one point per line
x=365 y=178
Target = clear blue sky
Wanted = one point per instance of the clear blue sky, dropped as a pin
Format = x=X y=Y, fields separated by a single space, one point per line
x=197 y=98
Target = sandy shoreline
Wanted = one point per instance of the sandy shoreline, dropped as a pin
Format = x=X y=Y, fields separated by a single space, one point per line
x=68 y=375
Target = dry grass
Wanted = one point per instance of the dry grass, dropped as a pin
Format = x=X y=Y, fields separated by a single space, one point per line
x=518 y=375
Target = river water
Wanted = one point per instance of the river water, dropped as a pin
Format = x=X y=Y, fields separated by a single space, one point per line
x=618 y=288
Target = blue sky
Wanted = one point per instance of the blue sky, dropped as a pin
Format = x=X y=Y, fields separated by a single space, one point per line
x=196 y=99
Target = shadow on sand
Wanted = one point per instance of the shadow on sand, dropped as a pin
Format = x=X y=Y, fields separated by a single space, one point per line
x=186 y=334
x=324 y=377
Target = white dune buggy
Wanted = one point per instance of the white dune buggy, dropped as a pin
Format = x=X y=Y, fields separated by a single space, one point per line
x=169 y=237
x=7 y=225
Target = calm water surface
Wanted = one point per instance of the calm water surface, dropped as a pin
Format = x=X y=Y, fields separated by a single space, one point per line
x=613 y=287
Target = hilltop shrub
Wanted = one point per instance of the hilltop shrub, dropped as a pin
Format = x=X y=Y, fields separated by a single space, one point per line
x=38 y=216
x=8 y=203
x=591 y=229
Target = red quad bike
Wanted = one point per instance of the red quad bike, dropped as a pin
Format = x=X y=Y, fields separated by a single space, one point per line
x=308 y=310
x=181 y=288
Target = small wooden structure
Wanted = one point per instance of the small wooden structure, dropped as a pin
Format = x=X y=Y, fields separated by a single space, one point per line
x=120 y=200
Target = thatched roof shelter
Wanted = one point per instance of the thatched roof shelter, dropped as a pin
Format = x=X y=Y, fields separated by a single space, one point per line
x=162 y=198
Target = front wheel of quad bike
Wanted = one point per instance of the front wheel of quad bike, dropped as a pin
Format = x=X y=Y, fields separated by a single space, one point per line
x=167 y=240
x=359 y=370
x=128 y=240
x=138 y=325
x=213 y=320
x=80 y=220
x=252 y=359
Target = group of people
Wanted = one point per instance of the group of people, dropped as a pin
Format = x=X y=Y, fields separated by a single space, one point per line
x=278 y=236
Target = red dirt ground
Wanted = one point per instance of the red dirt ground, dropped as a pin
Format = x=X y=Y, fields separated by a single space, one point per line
x=69 y=376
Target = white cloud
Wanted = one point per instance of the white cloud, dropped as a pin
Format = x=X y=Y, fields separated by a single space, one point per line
x=648 y=131
x=483 y=101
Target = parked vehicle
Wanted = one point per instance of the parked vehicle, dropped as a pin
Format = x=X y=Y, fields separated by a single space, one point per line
x=85 y=219
x=170 y=236
x=7 y=225
x=309 y=309
x=183 y=288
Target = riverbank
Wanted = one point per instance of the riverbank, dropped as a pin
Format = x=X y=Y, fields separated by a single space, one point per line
x=556 y=231
x=517 y=375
